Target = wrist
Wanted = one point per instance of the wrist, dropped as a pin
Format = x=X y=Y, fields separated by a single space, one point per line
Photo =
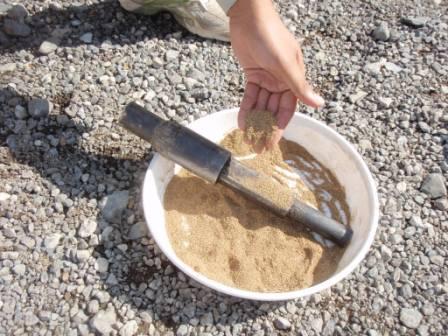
x=248 y=9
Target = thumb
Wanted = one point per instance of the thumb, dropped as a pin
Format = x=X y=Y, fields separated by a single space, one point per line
x=295 y=78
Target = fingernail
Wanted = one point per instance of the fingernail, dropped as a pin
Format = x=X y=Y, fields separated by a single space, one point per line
x=318 y=99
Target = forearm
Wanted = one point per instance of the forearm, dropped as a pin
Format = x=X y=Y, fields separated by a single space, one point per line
x=242 y=7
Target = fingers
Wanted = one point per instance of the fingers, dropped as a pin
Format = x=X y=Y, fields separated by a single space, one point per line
x=248 y=103
x=294 y=75
x=262 y=100
x=287 y=106
x=273 y=103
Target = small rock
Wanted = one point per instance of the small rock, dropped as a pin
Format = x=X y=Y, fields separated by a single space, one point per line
x=441 y=204
x=39 y=108
x=281 y=323
x=171 y=55
x=19 y=269
x=414 y=22
x=4 y=196
x=207 y=319
x=103 y=321
x=30 y=319
x=16 y=28
x=52 y=241
x=102 y=265
x=20 y=112
x=87 y=228
x=87 y=38
x=385 y=102
x=317 y=325
x=428 y=309
x=182 y=330
x=411 y=318
x=138 y=231
x=149 y=96
x=93 y=307
x=8 y=67
x=114 y=205
x=47 y=47
x=437 y=260
x=381 y=32
x=416 y=221
x=392 y=67
x=358 y=96
x=374 y=68
x=18 y=13
x=82 y=255
x=434 y=186
x=129 y=329
x=424 y=127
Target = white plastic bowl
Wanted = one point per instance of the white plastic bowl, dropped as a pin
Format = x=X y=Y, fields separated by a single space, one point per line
x=327 y=146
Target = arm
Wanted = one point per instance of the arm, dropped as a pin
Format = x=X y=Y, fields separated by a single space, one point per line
x=272 y=62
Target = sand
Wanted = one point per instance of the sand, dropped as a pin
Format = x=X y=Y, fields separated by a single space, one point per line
x=236 y=242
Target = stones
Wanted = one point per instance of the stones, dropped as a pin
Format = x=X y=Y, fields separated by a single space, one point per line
x=282 y=323
x=381 y=32
x=104 y=321
x=19 y=269
x=18 y=13
x=114 y=205
x=434 y=186
x=47 y=48
x=4 y=196
x=129 y=329
x=8 y=67
x=30 y=319
x=39 y=108
x=138 y=230
x=87 y=38
x=358 y=96
x=20 y=112
x=52 y=241
x=182 y=330
x=414 y=21
x=16 y=28
x=392 y=67
x=410 y=317
x=374 y=68
x=385 y=102
x=441 y=204
x=87 y=228
x=102 y=265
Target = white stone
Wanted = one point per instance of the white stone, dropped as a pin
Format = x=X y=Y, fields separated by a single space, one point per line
x=87 y=228
x=102 y=265
x=129 y=329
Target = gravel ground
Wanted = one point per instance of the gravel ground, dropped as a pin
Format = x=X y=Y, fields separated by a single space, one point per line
x=75 y=258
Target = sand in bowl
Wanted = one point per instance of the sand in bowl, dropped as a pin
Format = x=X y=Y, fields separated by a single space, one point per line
x=230 y=239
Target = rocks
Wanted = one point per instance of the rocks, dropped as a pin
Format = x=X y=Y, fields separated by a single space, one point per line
x=182 y=330
x=8 y=67
x=39 y=108
x=47 y=47
x=19 y=269
x=87 y=38
x=385 y=102
x=102 y=265
x=87 y=228
x=381 y=32
x=20 y=112
x=414 y=21
x=16 y=28
x=4 y=196
x=104 y=321
x=434 y=186
x=138 y=231
x=52 y=241
x=129 y=329
x=358 y=96
x=30 y=319
x=411 y=318
x=18 y=13
x=441 y=204
x=281 y=323
x=114 y=205
x=374 y=68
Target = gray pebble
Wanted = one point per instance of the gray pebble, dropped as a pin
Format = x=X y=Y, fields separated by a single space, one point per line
x=381 y=32
x=39 y=108
x=16 y=28
x=414 y=22
x=47 y=47
x=18 y=13
x=138 y=230
x=20 y=112
x=114 y=205
x=104 y=321
x=87 y=38
x=282 y=323
x=411 y=318
x=434 y=186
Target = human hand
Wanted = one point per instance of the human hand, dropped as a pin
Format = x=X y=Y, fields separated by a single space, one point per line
x=272 y=61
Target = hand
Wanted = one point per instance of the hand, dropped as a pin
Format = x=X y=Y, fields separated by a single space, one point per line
x=272 y=62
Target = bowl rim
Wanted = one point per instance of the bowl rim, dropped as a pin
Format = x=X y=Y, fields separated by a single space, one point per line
x=276 y=296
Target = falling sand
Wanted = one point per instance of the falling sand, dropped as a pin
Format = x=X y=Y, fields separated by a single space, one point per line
x=230 y=239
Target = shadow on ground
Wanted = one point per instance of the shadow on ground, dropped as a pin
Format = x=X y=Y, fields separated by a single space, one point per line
x=107 y=22
x=54 y=146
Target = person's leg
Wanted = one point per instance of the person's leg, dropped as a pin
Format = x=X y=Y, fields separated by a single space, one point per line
x=201 y=17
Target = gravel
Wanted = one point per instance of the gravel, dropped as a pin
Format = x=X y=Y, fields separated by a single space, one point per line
x=75 y=254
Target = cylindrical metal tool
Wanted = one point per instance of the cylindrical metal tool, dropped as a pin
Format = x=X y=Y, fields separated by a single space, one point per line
x=215 y=164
